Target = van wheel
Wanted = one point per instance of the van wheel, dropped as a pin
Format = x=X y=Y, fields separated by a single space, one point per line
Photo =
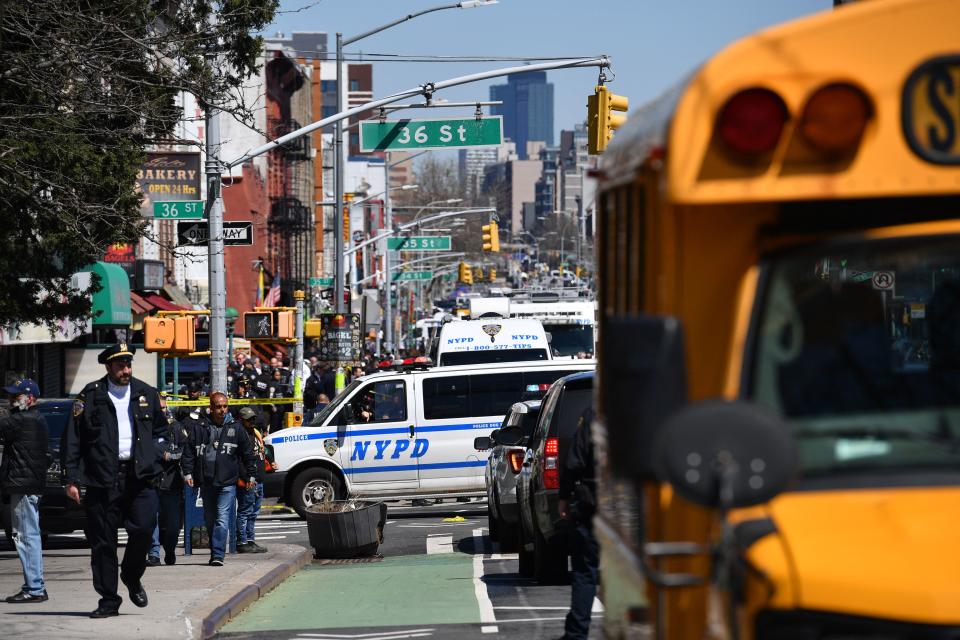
x=549 y=561
x=314 y=485
x=525 y=557
x=509 y=537
x=493 y=523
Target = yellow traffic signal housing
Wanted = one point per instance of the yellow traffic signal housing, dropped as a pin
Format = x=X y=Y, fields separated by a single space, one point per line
x=466 y=275
x=311 y=329
x=292 y=419
x=286 y=328
x=491 y=236
x=258 y=325
x=478 y=273
x=158 y=334
x=169 y=334
x=601 y=119
x=492 y=274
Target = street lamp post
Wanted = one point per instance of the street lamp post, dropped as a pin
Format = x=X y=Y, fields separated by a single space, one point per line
x=339 y=166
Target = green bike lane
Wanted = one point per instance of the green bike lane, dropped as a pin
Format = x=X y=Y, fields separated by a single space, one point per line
x=437 y=589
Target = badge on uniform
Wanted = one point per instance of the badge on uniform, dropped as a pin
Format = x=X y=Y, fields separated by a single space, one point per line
x=143 y=402
x=330 y=446
x=78 y=407
x=231 y=431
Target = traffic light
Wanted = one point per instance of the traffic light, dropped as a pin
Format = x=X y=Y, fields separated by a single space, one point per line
x=311 y=328
x=491 y=236
x=478 y=273
x=286 y=327
x=258 y=325
x=601 y=121
x=466 y=275
x=169 y=334
x=492 y=274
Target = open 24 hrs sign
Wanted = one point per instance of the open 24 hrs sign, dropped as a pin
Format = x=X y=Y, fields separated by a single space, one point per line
x=430 y=134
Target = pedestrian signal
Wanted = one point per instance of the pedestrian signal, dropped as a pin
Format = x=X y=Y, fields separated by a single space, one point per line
x=169 y=334
x=258 y=325
x=286 y=327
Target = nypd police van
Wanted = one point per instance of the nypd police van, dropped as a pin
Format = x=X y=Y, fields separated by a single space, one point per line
x=491 y=339
x=402 y=434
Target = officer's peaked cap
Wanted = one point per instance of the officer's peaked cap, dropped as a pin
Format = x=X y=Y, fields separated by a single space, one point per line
x=119 y=350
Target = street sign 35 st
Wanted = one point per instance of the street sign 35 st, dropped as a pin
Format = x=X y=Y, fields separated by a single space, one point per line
x=419 y=243
x=198 y=233
x=430 y=134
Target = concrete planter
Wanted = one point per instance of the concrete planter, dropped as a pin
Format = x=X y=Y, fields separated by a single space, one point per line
x=346 y=528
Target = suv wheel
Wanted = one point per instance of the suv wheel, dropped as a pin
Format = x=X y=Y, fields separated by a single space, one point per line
x=509 y=537
x=549 y=560
x=312 y=486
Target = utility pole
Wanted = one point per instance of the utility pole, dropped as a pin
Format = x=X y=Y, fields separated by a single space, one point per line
x=217 y=281
x=388 y=277
x=338 y=171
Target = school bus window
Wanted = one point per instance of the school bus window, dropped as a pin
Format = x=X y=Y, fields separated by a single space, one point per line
x=860 y=348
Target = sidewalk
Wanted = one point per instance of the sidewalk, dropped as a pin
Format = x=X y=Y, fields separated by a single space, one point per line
x=187 y=600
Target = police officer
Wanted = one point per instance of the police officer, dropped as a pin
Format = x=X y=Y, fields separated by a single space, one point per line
x=220 y=455
x=169 y=491
x=110 y=447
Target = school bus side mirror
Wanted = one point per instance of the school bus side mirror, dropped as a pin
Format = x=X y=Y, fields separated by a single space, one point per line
x=643 y=384
x=724 y=455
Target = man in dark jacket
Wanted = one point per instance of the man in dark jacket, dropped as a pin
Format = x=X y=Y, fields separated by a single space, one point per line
x=248 y=502
x=23 y=473
x=169 y=491
x=110 y=446
x=578 y=503
x=221 y=453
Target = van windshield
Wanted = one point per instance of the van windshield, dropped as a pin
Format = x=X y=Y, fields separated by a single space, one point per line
x=489 y=356
x=570 y=339
x=859 y=349
x=321 y=417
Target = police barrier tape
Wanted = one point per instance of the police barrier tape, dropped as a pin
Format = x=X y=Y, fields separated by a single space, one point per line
x=205 y=402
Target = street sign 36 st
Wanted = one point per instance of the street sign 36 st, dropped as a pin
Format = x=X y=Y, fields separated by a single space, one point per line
x=198 y=233
x=430 y=134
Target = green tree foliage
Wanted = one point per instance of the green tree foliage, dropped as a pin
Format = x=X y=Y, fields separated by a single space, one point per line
x=85 y=86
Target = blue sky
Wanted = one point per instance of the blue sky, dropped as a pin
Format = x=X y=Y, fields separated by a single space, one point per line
x=652 y=44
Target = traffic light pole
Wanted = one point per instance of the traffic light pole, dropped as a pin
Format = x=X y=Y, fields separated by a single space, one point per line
x=217 y=281
x=297 y=364
x=388 y=281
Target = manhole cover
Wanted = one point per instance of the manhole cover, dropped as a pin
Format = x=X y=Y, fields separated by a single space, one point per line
x=367 y=560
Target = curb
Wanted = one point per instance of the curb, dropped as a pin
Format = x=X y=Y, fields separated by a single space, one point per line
x=251 y=593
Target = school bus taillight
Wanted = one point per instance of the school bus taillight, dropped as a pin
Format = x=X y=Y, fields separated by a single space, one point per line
x=835 y=117
x=751 y=122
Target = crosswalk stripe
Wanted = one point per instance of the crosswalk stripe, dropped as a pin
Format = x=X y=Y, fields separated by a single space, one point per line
x=439 y=544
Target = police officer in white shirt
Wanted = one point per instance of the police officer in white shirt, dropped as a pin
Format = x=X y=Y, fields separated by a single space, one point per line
x=111 y=446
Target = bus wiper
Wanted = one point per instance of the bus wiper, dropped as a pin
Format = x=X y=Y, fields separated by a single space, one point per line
x=876 y=433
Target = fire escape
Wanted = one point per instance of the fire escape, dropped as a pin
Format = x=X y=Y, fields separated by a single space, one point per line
x=290 y=239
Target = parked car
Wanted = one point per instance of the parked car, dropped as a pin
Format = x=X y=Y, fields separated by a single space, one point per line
x=503 y=465
x=543 y=545
x=58 y=514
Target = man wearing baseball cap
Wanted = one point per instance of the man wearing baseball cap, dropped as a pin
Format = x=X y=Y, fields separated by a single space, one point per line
x=249 y=502
x=111 y=447
x=23 y=473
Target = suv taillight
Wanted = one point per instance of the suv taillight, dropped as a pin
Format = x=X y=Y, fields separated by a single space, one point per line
x=551 y=464
x=515 y=458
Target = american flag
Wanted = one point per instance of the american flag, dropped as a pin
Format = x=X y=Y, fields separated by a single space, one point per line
x=273 y=296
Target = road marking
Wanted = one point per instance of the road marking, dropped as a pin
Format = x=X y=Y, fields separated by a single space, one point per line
x=382 y=635
x=270 y=537
x=503 y=556
x=508 y=620
x=439 y=544
x=535 y=608
x=434 y=526
x=480 y=589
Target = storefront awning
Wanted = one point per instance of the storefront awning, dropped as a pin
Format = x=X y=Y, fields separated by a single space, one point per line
x=140 y=306
x=111 y=305
x=162 y=303
x=175 y=294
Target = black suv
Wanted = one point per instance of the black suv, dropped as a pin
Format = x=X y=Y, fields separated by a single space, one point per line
x=543 y=544
x=58 y=513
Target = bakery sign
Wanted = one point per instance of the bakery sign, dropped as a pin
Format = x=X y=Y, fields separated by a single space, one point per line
x=168 y=176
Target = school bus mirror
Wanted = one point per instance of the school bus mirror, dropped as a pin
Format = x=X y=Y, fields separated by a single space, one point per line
x=643 y=384
x=724 y=455
x=158 y=334
x=185 y=338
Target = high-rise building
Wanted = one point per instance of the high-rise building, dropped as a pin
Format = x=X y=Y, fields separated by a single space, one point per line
x=471 y=166
x=527 y=109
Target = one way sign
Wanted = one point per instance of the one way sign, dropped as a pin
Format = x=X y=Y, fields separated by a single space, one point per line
x=196 y=233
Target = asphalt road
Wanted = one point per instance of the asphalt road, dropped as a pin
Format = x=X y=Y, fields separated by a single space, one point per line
x=439 y=577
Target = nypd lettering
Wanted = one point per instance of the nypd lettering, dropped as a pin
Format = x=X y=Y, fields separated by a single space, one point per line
x=361 y=449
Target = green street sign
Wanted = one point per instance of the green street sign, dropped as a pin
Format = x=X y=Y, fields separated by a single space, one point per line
x=321 y=282
x=430 y=134
x=178 y=210
x=413 y=275
x=419 y=243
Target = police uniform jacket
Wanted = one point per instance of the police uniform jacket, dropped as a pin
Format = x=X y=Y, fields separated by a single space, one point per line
x=23 y=469
x=90 y=452
x=233 y=454
x=178 y=435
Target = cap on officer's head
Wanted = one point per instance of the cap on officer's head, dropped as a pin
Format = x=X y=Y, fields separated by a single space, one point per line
x=247 y=413
x=23 y=385
x=119 y=350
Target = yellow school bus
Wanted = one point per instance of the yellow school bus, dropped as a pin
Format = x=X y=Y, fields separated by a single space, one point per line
x=778 y=428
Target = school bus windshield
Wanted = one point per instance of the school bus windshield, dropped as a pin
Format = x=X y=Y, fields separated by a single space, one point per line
x=860 y=348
